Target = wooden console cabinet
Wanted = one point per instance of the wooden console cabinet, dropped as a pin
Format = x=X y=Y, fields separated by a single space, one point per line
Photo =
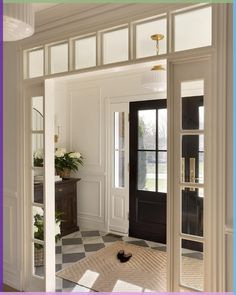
x=65 y=202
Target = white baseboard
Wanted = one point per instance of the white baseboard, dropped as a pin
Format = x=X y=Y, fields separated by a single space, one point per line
x=91 y=224
x=12 y=278
x=118 y=229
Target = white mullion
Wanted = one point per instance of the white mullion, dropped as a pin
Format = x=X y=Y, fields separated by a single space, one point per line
x=192 y=132
x=191 y=185
x=192 y=238
x=49 y=188
x=36 y=241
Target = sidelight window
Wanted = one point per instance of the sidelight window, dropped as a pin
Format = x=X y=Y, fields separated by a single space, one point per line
x=119 y=149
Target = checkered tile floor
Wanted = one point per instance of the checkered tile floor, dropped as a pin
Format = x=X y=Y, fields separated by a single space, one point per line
x=83 y=243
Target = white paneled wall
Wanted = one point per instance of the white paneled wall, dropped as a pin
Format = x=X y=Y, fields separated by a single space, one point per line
x=13 y=227
x=85 y=110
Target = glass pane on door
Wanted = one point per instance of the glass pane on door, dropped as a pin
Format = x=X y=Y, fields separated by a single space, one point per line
x=162 y=172
x=192 y=161
x=192 y=94
x=192 y=211
x=192 y=265
x=147 y=171
x=147 y=129
x=162 y=129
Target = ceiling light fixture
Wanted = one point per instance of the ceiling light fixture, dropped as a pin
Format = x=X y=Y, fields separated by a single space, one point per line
x=18 y=21
x=156 y=79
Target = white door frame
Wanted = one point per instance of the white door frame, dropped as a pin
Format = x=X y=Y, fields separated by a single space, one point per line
x=190 y=70
x=33 y=282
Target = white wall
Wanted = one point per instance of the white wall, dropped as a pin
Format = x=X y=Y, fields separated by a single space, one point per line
x=12 y=263
x=61 y=114
x=86 y=130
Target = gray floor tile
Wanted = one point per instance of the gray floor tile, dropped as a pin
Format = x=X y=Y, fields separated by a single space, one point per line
x=93 y=247
x=72 y=257
x=72 y=241
x=92 y=240
x=68 y=249
x=58 y=267
x=111 y=238
x=94 y=233
x=58 y=249
x=68 y=284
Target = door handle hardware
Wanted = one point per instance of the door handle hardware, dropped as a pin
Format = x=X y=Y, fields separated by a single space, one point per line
x=192 y=172
x=183 y=170
x=60 y=190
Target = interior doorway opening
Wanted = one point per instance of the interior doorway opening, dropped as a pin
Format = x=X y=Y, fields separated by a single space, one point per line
x=92 y=117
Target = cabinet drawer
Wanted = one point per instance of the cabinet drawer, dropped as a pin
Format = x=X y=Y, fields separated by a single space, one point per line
x=65 y=189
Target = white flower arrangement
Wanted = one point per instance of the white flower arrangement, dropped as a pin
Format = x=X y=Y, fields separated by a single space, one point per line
x=69 y=160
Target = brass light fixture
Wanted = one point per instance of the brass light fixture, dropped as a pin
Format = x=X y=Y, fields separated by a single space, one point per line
x=157 y=38
x=156 y=79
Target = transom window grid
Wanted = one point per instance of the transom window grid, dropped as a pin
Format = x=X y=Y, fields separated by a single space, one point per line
x=132 y=56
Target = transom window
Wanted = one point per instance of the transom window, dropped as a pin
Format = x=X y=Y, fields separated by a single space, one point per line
x=125 y=43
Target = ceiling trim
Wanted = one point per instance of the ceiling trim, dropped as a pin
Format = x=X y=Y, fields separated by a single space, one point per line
x=92 y=18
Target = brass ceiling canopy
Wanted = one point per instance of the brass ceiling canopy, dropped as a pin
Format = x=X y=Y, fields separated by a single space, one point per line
x=158 y=68
x=157 y=37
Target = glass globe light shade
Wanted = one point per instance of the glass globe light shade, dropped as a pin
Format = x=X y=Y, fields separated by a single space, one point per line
x=155 y=80
x=18 y=21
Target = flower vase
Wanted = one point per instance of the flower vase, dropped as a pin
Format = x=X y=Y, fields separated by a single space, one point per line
x=65 y=173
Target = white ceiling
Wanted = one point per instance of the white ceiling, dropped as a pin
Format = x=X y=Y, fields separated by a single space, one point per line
x=42 y=6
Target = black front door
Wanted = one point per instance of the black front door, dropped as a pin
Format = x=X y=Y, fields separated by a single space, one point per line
x=148 y=170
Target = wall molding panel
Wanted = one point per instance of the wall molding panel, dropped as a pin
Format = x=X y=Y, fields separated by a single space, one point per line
x=12 y=272
x=86 y=105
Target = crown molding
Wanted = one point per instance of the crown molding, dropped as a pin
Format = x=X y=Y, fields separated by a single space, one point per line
x=69 y=20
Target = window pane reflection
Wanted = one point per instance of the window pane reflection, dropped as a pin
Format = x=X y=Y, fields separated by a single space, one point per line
x=147 y=129
x=192 y=158
x=192 y=265
x=162 y=129
x=192 y=113
x=162 y=172
x=147 y=171
x=119 y=168
x=119 y=154
x=119 y=130
x=192 y=211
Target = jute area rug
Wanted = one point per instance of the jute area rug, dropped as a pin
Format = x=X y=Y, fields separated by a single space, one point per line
x=145 y=271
